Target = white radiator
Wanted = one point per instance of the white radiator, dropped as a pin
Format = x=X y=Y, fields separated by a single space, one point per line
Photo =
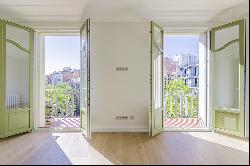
x=13 y=101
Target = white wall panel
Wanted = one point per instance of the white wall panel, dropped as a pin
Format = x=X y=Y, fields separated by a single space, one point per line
x=120 y=93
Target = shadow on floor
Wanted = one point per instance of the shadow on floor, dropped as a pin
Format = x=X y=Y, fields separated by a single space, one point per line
x=28 y=149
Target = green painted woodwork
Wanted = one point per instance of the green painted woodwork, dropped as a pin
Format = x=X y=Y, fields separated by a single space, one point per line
x=156 y=115
x=18 y=26
x=18 y=120
x=17 y=45
x=226 y=45
x=230 y=120
x=2 y=77
x=85 y=51
x=229 y=110
x=31 y=73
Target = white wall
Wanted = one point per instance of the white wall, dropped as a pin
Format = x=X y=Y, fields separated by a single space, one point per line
x=39 y=80
x=202 y=77
x=120 y=93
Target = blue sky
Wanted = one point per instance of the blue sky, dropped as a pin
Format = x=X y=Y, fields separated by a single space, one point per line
x=176 y=44
x=61 y=51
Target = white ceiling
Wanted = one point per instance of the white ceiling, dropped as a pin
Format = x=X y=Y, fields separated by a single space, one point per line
x=69 y=14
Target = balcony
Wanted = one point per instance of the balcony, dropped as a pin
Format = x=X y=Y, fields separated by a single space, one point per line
x=182 y=110
x=62 y=109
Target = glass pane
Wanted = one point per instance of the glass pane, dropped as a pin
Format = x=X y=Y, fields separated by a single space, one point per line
x=83 y=38
x=83 y=76
x=158 y=37
x=225 y=35
x=18 y=35
x=227 y=77
x=17 y=77
x=157 y=78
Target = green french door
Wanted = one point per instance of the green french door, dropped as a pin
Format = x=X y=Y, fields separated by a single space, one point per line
x=228 y=78
x=156 y=110
x=85 y=79
x=16 y=83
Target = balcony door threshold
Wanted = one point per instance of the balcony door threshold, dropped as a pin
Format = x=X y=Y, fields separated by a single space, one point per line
x=187 y=130
x=68 y=129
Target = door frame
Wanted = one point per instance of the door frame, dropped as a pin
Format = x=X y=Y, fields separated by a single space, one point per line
x=39 y=76
x=206 y=32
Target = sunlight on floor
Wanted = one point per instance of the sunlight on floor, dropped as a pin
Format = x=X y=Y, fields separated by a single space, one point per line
x=78 y=150
x=232 y=142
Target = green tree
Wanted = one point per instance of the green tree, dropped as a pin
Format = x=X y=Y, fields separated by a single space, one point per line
x=57 y=94
x=177 y=86
x=175 y=90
